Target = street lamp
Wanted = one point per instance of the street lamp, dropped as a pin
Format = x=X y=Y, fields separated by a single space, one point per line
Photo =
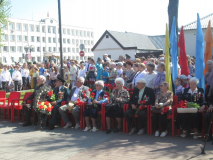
x=28 y=49
x=60 y=35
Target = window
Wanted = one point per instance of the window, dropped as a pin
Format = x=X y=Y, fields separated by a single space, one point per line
x=88 y=50
x=91 y=34
x=54 y=49
x=33 y=49
x=72 y=32
x=107 y=36
x=64 y=40
x=77 y=50
x=68 y=49
x=33 y=59
x=50 y=49
x=76 y=33
x=73 y=41
x=25 y=38
x=12 y=38
x=12 y=26
x=39 y=59
x=38 y=39
x=87 y=34
x=88 y=42
x=18 y=27
x=5 y=26
x=5 y=49
x=73 y=50
x=68 y=31
x=85 y=50
x=64 y=31
x=25 y=27
x=91 y=42
x=77 y=57
x=43 y=39
x=44 y=49
x=81 y=58
x=12 y=58
x=49 y=29
x=84 y=33
x=54 y=40
x=68 y=41
x=80 y=33
x=53 y=29
x=49 y=39
x=76 y=41
x=32 y=38
x=5 y=37
x=59 y=49
x=31 y=28
x=19 y=59
x=38 y=49
x=64 y=49
x=5 y=60
x=12 y=48
x=73 y=57
x=37 y=29
x=81 y=42
x=43 y=29
x=85 y=42
x=18 y=38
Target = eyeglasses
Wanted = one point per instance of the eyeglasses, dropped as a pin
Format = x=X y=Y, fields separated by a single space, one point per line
x=161 y=85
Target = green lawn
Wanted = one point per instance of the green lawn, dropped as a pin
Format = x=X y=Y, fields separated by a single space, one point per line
x=22 y=93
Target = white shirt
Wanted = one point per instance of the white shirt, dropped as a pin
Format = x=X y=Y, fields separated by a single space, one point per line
x=195 y=91
x=25 y=73
x=73 y=72
x=119 y=72
x=82 y=73
x=150 y=79
x=140 y=75
x=5 y=76
x=75 y=95
x=16 y=76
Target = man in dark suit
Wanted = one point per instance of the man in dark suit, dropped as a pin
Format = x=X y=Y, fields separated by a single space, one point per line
x=61 y=93
x=77 y=92
x=140 y=93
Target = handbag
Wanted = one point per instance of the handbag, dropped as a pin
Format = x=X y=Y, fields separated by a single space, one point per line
x=111 y=107
x=156 y=110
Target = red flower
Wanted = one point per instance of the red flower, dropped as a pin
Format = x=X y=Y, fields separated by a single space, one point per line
x=84 y=95
x=90 y=89
x=124 y=87
x=78 y=100
x=165 y=110
x=52 y=107
x=39 y=102
x=49 y=109
x=92 y=94
x=40 y=107
x=85 y=91
x=50 y=93
x=142 y=101
x=46 y=103
x=142 y=107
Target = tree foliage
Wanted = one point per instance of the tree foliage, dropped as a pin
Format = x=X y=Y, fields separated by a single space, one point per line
x=5 y=7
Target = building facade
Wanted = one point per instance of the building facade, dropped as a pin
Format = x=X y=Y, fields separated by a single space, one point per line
x=43 y=37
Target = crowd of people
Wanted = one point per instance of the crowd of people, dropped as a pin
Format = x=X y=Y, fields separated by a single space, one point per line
x=144 y=76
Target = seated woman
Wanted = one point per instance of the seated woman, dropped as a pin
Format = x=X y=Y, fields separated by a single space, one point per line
x=164 y=99
x=96 y=102
x=193 y=120
x=118 y=96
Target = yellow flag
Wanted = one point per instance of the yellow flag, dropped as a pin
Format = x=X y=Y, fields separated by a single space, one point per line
x=167 y=59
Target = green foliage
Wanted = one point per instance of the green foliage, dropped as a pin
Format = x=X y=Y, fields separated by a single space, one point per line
x=192 y=105
x=5 y=7
x=34 y=62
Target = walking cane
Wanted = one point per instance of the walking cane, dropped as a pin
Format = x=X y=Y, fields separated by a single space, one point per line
x=207 y=136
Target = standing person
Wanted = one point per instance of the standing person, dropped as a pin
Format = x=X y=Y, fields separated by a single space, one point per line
x=151 y=75
x=73 y=72
x=41 y=69
x=99 y=68
x=82 y=71
x=67 y=77
x=11 y=70
x=17 y=78
x=31 y=76
x=68 y=63
x=53 y=76
x=54 y=59
x=25 y=76
x=92 y=69
x=128 y=72
x=105 y=75
x=5 y=79
x=160 y=77
x=113 y=73
x=209 y=78
x=140 y=74
x=35 y=75
x=119 y=69
x=87 y=65
x=106 y=58
x=121 y=58
x=127 y=57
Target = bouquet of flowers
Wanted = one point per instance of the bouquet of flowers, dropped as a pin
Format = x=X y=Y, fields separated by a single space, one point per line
x=187 y=107
x=51 y=95
x=71 y=105
x=44 y=107
x=141 y=106
x=109 y=87
x=92 y=96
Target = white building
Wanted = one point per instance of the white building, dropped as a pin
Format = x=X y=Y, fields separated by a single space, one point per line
x=43 y=35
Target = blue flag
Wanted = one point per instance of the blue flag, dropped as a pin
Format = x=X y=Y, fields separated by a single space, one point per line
x=199 y=63
x=173 y=50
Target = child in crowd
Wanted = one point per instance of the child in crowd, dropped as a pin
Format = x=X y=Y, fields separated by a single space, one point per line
x=179 y=89
x=46 y=73
x=184 y=81
x=105 y=74
x=67 y=77
x=48 y=81
x=119 y=69
x=41 y=69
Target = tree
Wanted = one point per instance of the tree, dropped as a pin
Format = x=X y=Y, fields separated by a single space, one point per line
x=173 y=11
x=5 y=6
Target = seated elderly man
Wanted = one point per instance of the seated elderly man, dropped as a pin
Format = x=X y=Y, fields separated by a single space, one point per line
x=141 y=92
x=61 y=93
x=27 y=108
x=77 y=92
x=94 y=105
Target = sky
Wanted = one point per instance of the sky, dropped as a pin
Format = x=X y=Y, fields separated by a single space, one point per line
x=138 y=16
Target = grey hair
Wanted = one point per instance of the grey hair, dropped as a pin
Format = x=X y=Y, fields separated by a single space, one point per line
x=141 y=80
x=100 y=82
x=209 y=61
x=42 y=77
x=81 y=79
x=120 y=80
x=194 y=79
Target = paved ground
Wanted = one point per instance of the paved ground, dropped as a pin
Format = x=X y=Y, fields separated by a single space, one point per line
x=17 y=142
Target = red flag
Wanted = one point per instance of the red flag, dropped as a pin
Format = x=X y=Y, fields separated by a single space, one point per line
x=183 y=59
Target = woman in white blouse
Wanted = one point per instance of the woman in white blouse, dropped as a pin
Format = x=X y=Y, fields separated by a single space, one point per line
x=140 y=74
x=151 y=75
x=17 y=78
x=82 y=71
x=25 y=76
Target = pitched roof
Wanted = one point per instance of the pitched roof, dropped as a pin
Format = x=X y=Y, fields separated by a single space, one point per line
x=157 y=41
x=204 y=23
x=128 y=40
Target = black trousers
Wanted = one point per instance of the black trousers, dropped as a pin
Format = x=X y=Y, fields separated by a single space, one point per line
x=159 y=118
x=129 y=115
x=17 y=85
x=208 y=118
x=5 y=86
x=27 y=113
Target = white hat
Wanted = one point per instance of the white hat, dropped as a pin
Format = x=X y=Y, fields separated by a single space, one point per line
x=183 y=77
x=105 y=54
x=162 y=59
x=120 y=63
x=141 y=80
